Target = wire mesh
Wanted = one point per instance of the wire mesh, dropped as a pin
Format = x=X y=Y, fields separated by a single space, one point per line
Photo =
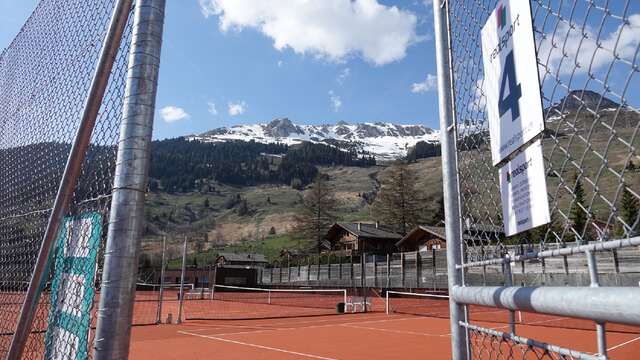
x=588 y=65
x=45 y=74
x=492 y=346
x=587 y=57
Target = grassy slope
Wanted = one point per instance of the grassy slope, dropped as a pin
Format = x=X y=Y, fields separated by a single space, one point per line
x=185 y=214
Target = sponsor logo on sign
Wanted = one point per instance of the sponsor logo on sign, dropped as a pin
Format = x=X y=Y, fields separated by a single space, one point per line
x=502 y=16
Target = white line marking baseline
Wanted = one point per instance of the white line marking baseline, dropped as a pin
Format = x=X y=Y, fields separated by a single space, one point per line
x=257 y=346
x=623 y=344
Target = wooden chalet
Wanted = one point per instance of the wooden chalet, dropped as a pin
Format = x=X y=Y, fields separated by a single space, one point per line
x=357 y=238
x=230 y=259
x=423 y=238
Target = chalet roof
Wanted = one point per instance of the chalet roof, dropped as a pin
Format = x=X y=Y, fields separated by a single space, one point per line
x=437 y=231
x=365 y=231
x=244 y=257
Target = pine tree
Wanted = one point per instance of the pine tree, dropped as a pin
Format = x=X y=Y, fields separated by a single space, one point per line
x=628 y=210
x=318 y=212
x=577 y=215
x=438 y=215
x=399 y=203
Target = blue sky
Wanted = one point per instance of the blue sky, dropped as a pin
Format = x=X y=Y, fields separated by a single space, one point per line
x=227 y=62
x=241 y=73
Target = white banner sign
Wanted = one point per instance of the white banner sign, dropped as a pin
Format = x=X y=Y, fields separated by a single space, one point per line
x=524 y=191
x=511 y=84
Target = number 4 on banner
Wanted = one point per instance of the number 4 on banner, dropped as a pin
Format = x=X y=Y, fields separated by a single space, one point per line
x=510 y=102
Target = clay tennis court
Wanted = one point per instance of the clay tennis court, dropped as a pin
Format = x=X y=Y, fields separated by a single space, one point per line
x=372 y=335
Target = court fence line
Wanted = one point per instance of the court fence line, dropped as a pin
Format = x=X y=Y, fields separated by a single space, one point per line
x=530 y=266
x=589 y=145
x=77 y=100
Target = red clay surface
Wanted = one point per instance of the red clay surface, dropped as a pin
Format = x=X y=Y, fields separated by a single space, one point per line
x=351 y=336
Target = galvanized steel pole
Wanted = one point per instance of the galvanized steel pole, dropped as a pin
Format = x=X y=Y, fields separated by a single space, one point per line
x=181 y=292
x=161 y=292
x=126 y=222
x=450 y=184
x=71 y=172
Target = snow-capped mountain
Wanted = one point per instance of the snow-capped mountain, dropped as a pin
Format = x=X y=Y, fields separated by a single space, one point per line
x=384 y=140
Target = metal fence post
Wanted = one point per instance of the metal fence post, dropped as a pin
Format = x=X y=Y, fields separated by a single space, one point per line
x=375 y=270
x=71 y=173
x=459 y=341
x=130 y=183
x=595 y=282
x=182 y=273
x=418 y=270
x=388 y=271
x=161 y=292
x=402 y=270
x=434 y=269
x=363 y=270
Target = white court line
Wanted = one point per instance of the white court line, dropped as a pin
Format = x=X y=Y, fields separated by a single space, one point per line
x=623 y=344
x=390 y=330
x=258 y=329
x=257 y=346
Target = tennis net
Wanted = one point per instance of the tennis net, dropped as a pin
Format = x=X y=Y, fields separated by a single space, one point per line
x=237 y=302
x=437 y=305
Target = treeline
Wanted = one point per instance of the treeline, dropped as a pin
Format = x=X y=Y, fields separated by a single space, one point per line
x=423 y=150
x=178 y=165
x=319 y=154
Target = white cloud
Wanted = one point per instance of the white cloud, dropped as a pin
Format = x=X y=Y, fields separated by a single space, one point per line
x=427 y=2
x=211 y=107
x=237 y=108
x=173 y=113
x=428 y=84
x=331 y=29
x=280 y=63
x=585 y=50
x=336 y=101
x=344 y=74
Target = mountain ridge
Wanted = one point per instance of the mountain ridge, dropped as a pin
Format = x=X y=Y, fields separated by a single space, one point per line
x=386 y=141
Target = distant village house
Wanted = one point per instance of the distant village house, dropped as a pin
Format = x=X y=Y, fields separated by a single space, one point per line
x=423 y=238
x=230 y=259
x=357 y=238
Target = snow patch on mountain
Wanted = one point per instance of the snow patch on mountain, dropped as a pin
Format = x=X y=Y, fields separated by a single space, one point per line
x=384 y=140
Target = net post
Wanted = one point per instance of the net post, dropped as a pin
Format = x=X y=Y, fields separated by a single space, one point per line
x=71 y=174
x=459 y=338
x=160 y=293
x=386 y=302
x=181 y=292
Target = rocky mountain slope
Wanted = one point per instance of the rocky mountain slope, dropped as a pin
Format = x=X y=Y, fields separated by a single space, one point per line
x=385 y=141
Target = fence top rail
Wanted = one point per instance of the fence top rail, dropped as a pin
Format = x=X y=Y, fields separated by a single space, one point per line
x=598 y=246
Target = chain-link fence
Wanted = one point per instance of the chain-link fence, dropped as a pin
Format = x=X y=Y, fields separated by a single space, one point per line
x=52 y=76
x=587 y=57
